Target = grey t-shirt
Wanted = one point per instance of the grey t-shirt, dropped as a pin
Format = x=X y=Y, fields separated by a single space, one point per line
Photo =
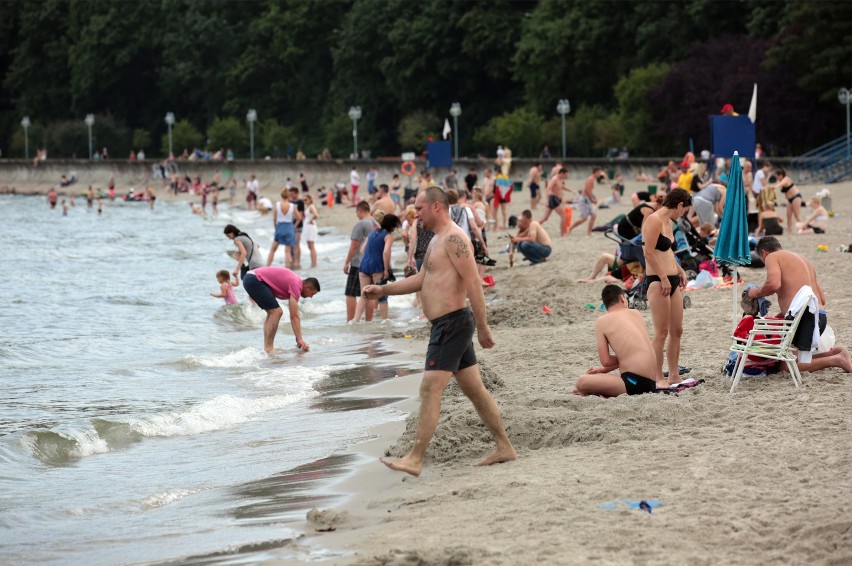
x=360 y=232
x=255 y=259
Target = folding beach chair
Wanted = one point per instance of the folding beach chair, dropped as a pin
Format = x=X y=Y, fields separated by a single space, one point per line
x=771 y=339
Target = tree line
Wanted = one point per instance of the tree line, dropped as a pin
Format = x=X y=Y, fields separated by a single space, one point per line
x=644 y=74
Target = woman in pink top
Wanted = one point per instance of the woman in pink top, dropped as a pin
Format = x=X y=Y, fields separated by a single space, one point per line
x=267 y=284
x=226 y=288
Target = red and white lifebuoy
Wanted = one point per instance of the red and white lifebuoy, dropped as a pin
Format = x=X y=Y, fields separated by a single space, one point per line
x=408 y=168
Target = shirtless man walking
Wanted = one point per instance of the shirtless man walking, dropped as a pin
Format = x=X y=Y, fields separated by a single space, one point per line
x=622 y=330
x=534 y=182
x=786 y=273
x=586 y=203
x=448 y=277
x=554 y=195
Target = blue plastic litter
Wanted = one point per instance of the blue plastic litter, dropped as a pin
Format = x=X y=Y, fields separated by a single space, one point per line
x=631 y=504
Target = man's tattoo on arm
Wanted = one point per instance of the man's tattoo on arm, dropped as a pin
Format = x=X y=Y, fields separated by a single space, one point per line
x=461 y=246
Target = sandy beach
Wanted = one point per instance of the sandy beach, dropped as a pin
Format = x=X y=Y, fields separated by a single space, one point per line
x=760 y=476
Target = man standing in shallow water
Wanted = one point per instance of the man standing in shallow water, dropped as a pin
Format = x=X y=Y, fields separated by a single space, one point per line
x=448 y=276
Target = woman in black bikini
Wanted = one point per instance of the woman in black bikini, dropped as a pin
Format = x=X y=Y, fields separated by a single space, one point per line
x=794 y=197
x=665 y=279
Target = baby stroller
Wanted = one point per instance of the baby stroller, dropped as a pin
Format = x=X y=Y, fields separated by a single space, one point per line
x=631 y=250
x=693 y=250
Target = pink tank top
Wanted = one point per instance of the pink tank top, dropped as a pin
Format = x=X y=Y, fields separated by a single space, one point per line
x=230 y=298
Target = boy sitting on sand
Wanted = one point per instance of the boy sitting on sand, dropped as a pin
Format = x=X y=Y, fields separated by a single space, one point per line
x=624 y=331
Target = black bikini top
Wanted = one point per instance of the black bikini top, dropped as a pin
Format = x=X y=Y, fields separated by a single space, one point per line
x=664 y=244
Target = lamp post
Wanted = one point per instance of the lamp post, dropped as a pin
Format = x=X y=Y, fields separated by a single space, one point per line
x=355 y=115
x=563 y=107
x=90 y=121
x=25 y=123
x=170 y=120
x=455 y=112
x=251 y=118
x=844 y=96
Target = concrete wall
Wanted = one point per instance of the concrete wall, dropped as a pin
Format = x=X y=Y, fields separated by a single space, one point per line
x=21 y=176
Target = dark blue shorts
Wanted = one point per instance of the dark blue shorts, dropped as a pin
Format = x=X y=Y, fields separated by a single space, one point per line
x=260 y=292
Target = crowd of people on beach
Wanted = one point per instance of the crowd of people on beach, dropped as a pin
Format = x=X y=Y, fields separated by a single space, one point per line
x=445 y=227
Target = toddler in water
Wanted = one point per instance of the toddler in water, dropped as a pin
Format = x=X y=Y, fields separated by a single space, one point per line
x=226 y=288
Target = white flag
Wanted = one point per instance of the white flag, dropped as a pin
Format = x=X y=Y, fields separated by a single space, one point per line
x=447 y=128
x=752 y=109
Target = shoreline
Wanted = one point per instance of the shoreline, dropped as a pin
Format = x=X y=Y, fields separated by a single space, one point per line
x=754 y=477
x=784 y=450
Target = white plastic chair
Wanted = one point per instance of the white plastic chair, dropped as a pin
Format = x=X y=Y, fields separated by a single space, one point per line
x=776 y=344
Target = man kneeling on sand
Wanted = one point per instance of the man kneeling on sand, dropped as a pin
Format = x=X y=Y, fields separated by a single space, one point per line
x=623 y=330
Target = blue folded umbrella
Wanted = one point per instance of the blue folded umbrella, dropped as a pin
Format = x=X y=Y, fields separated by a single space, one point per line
x=732 y=241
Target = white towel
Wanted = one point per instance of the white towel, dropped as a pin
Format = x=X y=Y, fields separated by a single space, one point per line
x=806 y=298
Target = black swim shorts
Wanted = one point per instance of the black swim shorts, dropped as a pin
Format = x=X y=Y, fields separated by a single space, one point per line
x=533 y=189
x=451 y=342
x=636 y=384
x=353 y=283
x=553 y=202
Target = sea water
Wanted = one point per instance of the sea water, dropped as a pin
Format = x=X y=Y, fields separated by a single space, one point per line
x=140 y=419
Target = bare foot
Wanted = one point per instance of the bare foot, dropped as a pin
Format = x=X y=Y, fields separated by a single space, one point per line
x=499 y=456
x=403 y=465
x=662 y=384
x=847 y=360
x=274 y=351
x=588 y=280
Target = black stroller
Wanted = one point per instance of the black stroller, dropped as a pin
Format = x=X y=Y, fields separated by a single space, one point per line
x=693 y=250
x=631 y=250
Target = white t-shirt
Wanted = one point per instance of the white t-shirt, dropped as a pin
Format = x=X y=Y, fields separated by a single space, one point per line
x=354 y=179
x=254 y=186
x=757 y=185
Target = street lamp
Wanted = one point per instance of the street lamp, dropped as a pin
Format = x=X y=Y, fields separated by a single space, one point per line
x=90 y=121
x=563 y=107
x=25 y=122
x=455 y=112
x=252 y=118
x=845 y=96
x=170 y=120
x=355 y=115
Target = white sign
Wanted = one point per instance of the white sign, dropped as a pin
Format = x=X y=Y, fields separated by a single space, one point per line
x=409 y=156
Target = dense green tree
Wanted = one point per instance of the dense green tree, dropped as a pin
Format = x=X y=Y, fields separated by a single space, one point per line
x=276 y=138
x=521 y=130
x=226 y=132
x=814 y=45
x=185 y=136
x=70 y=137
x=141 y=139
x=38 y=73
x=683 y=106
x=415 y=128
x=635 y=113
x=114 y=58
x=303 y=63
